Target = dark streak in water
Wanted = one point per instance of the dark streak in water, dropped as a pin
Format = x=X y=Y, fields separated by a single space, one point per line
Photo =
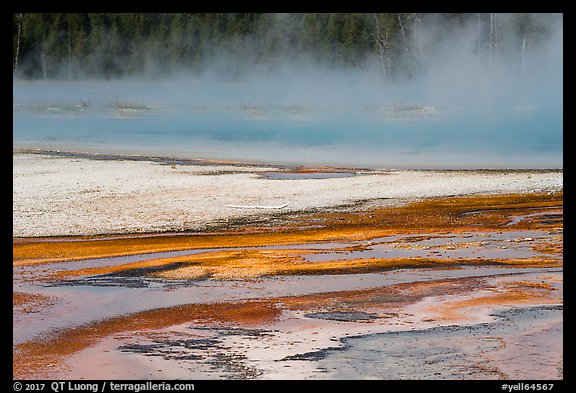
x=435 y=353
x=332 y=170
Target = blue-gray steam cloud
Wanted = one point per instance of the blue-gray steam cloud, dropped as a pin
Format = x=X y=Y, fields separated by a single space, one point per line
x=465 y=105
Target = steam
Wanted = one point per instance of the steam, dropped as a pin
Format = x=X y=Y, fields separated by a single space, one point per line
x=454 y=78
x=451 y=64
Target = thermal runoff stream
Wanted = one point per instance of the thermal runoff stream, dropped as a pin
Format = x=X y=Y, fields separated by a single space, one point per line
x=288 y=196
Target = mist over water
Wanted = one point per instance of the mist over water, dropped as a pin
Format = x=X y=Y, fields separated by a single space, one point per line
x=461 y=111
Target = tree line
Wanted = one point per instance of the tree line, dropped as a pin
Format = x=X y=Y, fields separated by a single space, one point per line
x=76 y=45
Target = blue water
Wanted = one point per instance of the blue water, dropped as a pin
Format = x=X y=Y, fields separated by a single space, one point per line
x=218 y=123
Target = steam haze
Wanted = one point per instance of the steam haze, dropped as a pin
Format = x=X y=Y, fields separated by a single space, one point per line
x=452 y=102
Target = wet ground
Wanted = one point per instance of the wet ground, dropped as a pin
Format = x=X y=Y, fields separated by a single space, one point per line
x=491 y=350
x=370 y=334
x=477 y=302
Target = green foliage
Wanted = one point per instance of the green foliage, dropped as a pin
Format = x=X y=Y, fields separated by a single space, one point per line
x=73 y=45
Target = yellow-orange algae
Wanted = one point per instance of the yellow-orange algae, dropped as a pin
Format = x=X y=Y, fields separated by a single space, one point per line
x=380 y=297
x=28 y=303
x=518 y=293
x=454 y=215
x=549 y=248
x=32 y=357
x=245 y=264
x=439 y=215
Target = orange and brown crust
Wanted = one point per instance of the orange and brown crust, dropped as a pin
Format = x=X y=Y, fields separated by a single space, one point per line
x=33 y=359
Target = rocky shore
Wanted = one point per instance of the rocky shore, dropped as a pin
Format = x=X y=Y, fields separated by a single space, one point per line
x=68 y=194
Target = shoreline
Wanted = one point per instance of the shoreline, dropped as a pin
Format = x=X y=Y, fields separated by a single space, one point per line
x=168 y=160
x=269 y=296
x=298 y=168
x=63 y=194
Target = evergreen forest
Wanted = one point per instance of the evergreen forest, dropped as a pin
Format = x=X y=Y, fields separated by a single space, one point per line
x=113 y=45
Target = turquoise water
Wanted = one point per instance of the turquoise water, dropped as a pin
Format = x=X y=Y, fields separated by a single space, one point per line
x=241 y=122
